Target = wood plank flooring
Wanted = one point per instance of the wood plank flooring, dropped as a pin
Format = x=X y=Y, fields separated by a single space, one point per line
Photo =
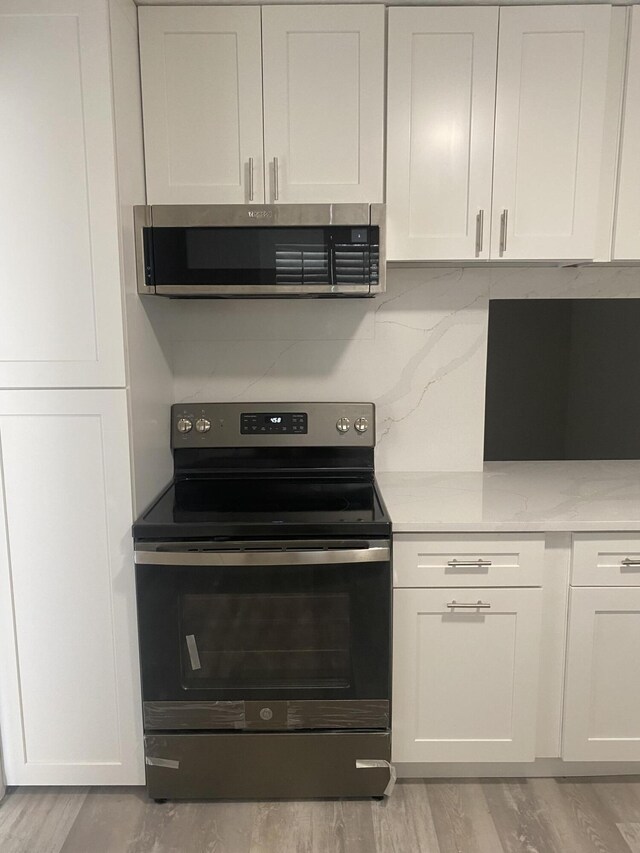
x=468 y=816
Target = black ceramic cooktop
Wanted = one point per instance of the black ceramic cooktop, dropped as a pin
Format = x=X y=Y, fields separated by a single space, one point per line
x=199 y=507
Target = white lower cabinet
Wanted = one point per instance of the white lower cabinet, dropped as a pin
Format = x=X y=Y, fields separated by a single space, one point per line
x=602 y=690
x=69 y=684
x=465 y=678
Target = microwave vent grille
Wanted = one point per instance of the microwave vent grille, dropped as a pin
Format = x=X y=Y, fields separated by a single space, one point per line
x=299 y=264
x=355 y=264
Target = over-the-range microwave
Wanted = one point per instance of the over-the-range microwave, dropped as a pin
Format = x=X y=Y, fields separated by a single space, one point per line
x=232 y=250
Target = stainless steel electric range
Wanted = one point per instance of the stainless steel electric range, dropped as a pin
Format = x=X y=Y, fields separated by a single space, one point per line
x=263 y=576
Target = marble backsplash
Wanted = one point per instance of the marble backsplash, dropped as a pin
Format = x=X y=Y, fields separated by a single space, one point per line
x=418 y=352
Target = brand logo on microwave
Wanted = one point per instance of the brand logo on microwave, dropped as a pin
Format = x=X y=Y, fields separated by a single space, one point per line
x=261 y=214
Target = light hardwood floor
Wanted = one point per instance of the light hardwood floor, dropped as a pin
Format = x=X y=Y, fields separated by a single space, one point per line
x=486 y=816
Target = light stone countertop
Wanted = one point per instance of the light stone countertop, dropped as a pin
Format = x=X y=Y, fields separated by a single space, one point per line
x=516 y=496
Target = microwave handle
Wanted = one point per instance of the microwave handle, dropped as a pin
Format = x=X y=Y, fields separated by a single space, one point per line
x=320 y=557
x=276 y=181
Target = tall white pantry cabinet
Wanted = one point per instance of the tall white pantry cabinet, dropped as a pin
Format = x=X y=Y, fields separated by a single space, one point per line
x=69 y=685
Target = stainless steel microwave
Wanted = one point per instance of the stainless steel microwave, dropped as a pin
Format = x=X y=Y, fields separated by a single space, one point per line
x=233 y=250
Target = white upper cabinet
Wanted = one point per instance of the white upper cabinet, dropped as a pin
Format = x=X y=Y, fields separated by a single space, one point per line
x=627 y=227
x=552 y=74
x=202 y=104
x=441 y=102
x=323 y=103
x=60 y=297
x=202 y=91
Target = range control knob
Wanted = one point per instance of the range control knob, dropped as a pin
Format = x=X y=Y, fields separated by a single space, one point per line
x=361 y=424
x=184 y=425
x=203 y=425
x=343 y=424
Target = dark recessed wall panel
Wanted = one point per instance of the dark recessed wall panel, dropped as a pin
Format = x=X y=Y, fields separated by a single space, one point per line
x=563 y=379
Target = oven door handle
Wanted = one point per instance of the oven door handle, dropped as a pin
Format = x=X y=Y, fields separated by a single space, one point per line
x=321 y=557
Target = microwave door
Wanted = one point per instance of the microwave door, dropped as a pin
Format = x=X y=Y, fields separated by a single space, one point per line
x=242 y=260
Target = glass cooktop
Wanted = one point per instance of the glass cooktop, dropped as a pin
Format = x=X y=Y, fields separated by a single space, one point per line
x=217 y=503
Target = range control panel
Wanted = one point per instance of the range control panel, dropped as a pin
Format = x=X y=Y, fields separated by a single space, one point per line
x=279 y=423
x=272 y=425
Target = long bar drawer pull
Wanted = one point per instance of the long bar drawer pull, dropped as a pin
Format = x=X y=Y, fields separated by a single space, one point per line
x=629 y=562
x=478 y=605
x=469 y=564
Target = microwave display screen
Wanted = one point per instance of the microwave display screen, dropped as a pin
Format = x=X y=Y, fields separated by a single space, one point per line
x=333 y=256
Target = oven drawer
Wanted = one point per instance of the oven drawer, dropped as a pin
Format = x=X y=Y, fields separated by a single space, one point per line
x=265 y=766
x=505 y=559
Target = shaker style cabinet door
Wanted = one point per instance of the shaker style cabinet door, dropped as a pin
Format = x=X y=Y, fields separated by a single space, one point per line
x=552 y=74
x=69 y=685
x=465 y=677
x=626 y=245
x=323 y=103
x=602 y=690
x=60 y=297
x=202 y=104
x=440 y=115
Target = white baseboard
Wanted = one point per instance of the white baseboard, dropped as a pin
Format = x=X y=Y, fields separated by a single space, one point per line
x=541 y=767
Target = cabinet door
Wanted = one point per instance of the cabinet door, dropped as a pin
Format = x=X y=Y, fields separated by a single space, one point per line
x=202 y=104
x=69 y=684
x=323 y=103
x=61 y=314
x=602 y=691
x=465 y=679
x=552 y=74
x=440 y=115
x=627 y=229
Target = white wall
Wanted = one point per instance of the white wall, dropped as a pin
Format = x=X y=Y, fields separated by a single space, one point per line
x=418 y=352
x=149 y=379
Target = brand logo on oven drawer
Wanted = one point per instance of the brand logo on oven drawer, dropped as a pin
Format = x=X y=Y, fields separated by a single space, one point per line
x=260 y=214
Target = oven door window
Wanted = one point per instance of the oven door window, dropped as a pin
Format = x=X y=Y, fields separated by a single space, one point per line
x=263 y=631
x=236 y=641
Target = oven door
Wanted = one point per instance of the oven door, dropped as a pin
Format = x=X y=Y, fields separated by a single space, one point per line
x=303 y=627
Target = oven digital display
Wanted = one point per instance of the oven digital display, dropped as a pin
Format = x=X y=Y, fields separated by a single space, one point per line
x=273 y=422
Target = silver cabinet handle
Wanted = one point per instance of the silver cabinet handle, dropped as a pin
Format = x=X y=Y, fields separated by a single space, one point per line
x=479 y=231
x=478 y=605
x=276 y=188
x=629 y=562
x=503 y=231
x=466 y=564
x=250 y=178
